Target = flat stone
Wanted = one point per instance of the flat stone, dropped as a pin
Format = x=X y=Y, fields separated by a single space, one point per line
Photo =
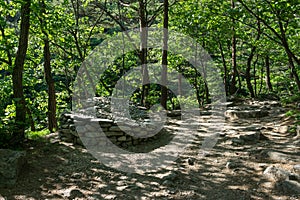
x=81 y=129
x=245 y=114
x=113 y=133
x=122 y=139
x=115 y=128
x=11 y=163
x=89 y=127
x=282 y=157
x=94 y=134
x=65 y=131
x=65 y=126
x=125 y=128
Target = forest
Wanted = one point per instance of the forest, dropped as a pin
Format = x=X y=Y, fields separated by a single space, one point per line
x=252 y=47
x=43 y=44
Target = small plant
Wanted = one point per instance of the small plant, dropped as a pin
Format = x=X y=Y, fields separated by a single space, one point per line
x=35 y=135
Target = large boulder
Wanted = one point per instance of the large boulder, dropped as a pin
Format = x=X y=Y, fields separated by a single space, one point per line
x=11 y=163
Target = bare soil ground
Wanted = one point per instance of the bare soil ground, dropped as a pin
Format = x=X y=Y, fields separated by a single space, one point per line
x=59 y=170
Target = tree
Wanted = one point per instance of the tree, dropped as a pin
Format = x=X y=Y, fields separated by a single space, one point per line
x=143 y=50
x=17 y=75
x=234 y=74
x=249 y=62
x=52 y=121
x=164 y=62
x=268 y=79
x=283 y=14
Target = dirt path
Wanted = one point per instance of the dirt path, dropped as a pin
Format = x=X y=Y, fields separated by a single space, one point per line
x=232 y=170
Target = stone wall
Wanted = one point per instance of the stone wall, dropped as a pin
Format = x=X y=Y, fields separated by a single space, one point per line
x=85 y=129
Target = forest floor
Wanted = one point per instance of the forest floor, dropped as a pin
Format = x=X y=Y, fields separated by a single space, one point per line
x=231 y=170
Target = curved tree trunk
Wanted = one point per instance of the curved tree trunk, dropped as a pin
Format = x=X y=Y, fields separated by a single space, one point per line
x=17 y=76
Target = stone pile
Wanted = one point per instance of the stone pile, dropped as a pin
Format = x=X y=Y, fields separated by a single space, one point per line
x=103 y=129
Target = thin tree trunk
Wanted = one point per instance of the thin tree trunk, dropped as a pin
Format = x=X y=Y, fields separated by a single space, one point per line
x=248 y=75
x=249 y=60
x=52 y=121
x=225 y=68
x=164 y=89
x=254 y=74
x=261 y=80
x=268 y=78
x=233 y=57
x=255 y=82
x=17 y=77
x=179 y=84
x=144 y=52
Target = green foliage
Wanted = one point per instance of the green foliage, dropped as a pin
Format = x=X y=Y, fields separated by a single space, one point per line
x=36 y=135
x=74 y=32
x=290 y=99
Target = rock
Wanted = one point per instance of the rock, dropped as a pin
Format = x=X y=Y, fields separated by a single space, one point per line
x=65 y=126
x=252 y=128
x=11 y=163
x=174 y=113
x=72 y=127
x=281 y=129
x=296 y=169
x=273 y=173
x=191 y=161
x=233 y=164
x=167 y=182
x=115 y=128
x=250 y=136
x=237 y=142
x=282 y=157
x=122 y=139
x=75 y=194
x=245 y=114
x=288 y=187
x=81 y=129
x=171 y=176
x=91 y=128
x=65 y=131
x=113 y=133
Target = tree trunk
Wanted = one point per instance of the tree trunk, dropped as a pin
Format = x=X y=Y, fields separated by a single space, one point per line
x=268 y=79
x=248 y=74
x=225 y=68
x=249 y=61
x=179 y=84
x=17 y=77
x=233 y=88
x=143 y=52
x=290 y=55
x=52 y=122
x=164 y=89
